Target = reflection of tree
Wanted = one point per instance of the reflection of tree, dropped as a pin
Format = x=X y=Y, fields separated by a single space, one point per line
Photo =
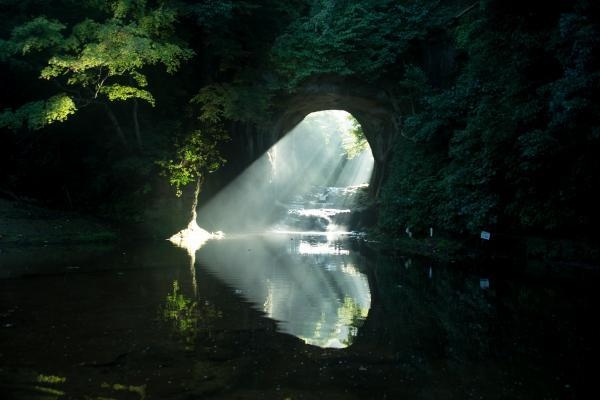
x=186 y=316
x=343 y=330
x=180 y=312
x=351 y=315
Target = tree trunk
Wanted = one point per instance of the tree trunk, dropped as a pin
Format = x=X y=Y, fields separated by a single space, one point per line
x=116 y=125
x=194 y=213
x=136 y=125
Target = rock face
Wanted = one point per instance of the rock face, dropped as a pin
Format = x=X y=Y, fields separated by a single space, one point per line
x=371 y=106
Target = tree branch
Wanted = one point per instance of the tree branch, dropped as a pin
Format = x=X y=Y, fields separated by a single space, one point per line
x=464 y=12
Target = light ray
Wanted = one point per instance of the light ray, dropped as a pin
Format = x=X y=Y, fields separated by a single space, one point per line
x=309 y=157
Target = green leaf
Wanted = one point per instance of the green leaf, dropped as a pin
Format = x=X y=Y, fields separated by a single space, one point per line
x=121 y=92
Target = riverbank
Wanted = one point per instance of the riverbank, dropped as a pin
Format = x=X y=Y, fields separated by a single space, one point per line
x=24 y=223
x=555 y=251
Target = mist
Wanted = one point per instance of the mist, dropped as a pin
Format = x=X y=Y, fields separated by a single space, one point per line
x=309 y=164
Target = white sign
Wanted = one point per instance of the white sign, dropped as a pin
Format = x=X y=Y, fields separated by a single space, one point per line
x=485 y=235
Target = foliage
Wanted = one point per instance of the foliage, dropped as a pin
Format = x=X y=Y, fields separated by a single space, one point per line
x=234 y=102
x=196 y=156
x=357 y=142
x=37 y=114
x=186 y=316
x=507 y=145
x=97 y=60
x=181 y=312
x=363 y=38
x=38 y=34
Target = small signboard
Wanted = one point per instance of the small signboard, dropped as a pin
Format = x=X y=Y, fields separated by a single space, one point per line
x=484 y=283
x=485 y=235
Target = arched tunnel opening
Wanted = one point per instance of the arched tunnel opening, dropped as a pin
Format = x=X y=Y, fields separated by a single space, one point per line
x=328 y=148
x=311 y=179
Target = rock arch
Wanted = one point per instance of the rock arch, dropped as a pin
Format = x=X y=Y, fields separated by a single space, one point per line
x=371 y=106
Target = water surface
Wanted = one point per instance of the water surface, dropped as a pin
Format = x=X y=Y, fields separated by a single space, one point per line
x=289 y=316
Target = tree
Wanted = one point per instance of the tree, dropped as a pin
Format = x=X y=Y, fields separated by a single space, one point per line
x=97 y=62
x=197 y=155
x=356 y=141
x=361 y=38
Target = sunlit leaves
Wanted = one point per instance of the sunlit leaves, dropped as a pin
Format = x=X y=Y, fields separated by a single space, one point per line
x=120 y=92
x=355 y=142
x=37 y=114
x=196 y=156
x=100 y=60
x=120 y=49
x=58 y=108
x=52 y=379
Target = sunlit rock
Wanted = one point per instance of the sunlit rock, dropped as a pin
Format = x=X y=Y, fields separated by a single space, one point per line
x=193 y=237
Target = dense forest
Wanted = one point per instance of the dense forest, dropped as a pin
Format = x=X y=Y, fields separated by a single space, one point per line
x=115 y=107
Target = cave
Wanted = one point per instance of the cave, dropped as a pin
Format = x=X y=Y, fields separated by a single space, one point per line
x=370 y=105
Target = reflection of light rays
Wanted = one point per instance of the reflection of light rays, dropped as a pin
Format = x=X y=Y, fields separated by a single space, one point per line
x=350 y=269
x=330 y=235
x=268 y=304
x=272 y=156
x=306 y=294
x=340 y=334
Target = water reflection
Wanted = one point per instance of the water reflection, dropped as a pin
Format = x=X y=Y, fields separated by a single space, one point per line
x=186 y=316
x=93 y=332
x=311 y=285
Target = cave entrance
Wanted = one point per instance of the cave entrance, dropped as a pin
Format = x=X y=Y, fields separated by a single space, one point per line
x=320 y=172
x=327 y=148
x=309 y=180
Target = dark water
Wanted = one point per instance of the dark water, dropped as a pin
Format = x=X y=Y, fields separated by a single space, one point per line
x=289 y=317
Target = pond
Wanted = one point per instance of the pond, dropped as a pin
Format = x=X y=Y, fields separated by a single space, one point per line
x=289 y=316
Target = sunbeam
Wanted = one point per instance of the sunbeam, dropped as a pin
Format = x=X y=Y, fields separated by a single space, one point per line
x=300 y=183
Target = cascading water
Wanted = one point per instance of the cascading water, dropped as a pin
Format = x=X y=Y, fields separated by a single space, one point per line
x=322 y=209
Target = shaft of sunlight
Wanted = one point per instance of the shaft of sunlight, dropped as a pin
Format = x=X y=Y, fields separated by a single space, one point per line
x=304 y=170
